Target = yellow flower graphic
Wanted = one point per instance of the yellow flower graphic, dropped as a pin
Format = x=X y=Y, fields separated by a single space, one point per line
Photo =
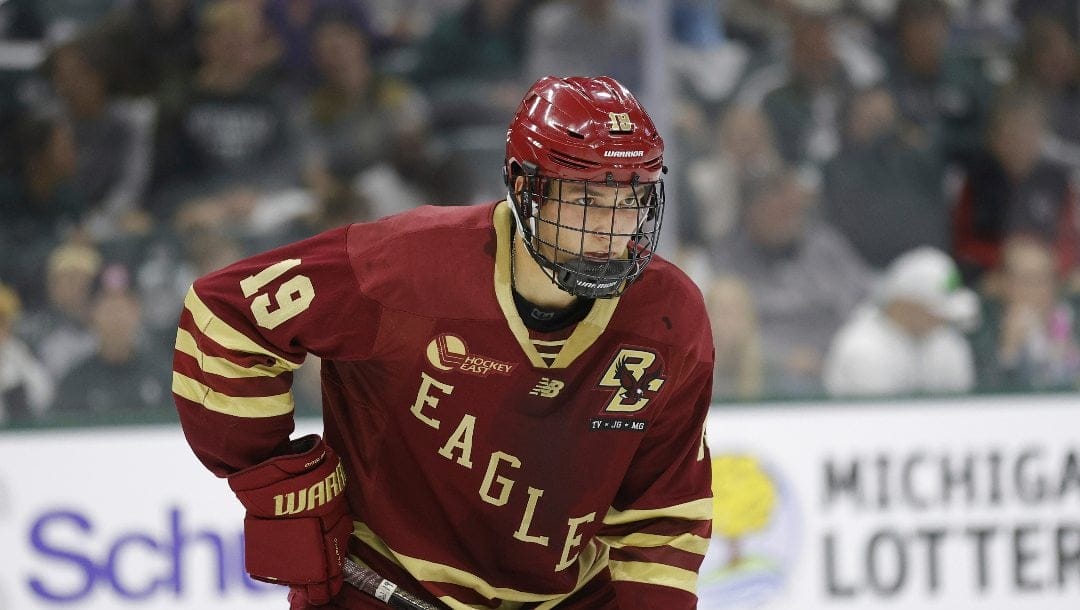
x=744 y=498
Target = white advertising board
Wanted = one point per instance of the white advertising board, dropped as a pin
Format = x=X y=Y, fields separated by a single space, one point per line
x=116 y=519
x=967 y=504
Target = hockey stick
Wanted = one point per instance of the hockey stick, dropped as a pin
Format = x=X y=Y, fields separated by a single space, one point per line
x=371 y=583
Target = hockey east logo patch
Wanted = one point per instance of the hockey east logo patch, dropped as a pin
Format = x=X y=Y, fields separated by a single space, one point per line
x=448 y=352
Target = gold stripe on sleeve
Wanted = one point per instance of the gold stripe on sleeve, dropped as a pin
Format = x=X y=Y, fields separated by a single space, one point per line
x=185 y=343
x=239 y=406
x=227 y=336
x=695 y=510
x=654 y=574
x=684 y=542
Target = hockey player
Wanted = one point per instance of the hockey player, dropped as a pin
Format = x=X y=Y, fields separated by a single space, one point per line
x=514 y=394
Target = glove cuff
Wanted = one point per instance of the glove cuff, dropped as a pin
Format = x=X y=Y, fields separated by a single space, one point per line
x=295 y=485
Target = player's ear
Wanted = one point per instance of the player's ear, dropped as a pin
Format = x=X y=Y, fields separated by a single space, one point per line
x=512 y=177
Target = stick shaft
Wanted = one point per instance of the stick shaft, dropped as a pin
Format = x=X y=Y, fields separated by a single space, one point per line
x=371 y=583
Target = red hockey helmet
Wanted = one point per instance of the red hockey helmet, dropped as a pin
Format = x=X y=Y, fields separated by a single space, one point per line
x=590 y=131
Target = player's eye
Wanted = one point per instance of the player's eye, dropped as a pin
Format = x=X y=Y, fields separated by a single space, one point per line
x=586 y=201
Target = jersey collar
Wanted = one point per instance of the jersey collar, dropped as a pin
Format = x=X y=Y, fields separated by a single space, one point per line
x=585 y=333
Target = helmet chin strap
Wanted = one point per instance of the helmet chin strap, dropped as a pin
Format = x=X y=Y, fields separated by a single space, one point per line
x=592 y=280
x=518 y=220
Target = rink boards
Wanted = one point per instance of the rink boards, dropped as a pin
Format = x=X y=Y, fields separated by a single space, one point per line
x=958 y=504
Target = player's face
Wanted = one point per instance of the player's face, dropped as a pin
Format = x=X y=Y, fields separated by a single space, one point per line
x=594 y=221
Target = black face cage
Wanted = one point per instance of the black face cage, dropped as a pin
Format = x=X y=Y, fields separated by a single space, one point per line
x=574 y=268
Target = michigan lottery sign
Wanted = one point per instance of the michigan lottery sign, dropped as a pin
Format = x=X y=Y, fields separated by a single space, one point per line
x=931 y=504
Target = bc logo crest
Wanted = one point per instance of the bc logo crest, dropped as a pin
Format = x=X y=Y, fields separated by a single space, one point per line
x=636 y=375
x=756 y=527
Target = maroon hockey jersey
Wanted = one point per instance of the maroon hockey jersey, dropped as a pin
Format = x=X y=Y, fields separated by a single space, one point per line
x=488 y=465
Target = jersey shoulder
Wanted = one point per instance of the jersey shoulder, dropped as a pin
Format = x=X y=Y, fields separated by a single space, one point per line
x=430 y=258
x=422 y=223
x=664 y=303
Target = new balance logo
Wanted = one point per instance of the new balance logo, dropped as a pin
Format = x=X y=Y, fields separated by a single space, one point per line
x=547 y=388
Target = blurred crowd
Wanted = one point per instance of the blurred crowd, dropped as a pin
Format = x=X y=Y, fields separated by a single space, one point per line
x=877 y=197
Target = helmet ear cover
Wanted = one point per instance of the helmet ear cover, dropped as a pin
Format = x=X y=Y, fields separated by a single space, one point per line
x=534 y=191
